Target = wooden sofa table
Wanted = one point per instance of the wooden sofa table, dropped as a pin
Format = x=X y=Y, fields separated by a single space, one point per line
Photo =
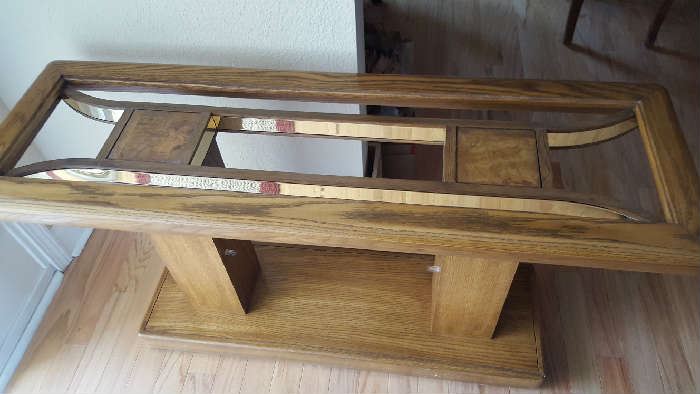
x=426 y=277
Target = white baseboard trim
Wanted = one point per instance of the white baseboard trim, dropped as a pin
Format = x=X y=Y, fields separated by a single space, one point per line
x=40 y=244
x=80 y=243
x=28 y=332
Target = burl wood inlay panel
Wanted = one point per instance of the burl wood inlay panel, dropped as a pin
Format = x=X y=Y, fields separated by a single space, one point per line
x=162 y=136
x=503 y=157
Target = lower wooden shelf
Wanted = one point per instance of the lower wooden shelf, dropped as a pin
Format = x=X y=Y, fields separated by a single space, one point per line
x=353 y=308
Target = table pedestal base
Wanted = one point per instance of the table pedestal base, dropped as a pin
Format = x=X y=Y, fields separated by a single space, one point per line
x=352 y=308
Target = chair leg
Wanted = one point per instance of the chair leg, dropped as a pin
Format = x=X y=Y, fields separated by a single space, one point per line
x=656 y=24
x=574 y=11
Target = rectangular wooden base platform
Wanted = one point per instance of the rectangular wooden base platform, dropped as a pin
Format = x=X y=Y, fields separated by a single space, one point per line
x=353 y=308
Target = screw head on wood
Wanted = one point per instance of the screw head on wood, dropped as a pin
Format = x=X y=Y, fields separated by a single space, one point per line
x=230 y=252
x=434 y=268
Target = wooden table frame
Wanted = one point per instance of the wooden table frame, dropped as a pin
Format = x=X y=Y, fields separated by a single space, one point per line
x=657 y=247
x=478 y=243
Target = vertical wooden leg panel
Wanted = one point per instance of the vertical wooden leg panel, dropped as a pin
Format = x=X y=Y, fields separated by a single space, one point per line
x=198 y=268
x=241 y=264
x=468 y=294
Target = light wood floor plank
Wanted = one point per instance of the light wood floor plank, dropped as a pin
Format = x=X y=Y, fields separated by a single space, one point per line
x=402 y=384
x=286 y=377
x=343 y=380
x=314 y=378
x=372 y=382
x=258 y=376
x=229 y=377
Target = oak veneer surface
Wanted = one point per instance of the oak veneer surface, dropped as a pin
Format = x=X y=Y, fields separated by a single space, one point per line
x=365 y=309
x=468 y=294
x=197 y=265
x=378 y=226
x=502 y=158
x=160 y=136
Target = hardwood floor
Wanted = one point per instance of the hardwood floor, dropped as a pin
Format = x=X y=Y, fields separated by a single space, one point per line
x=603 y=331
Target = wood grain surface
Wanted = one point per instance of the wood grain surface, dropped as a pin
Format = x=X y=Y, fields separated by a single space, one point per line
x=544 y=160
x=323 y=305
x=385 y=89
x=197 y=266
x=160 y=136
x=378 y=226
x=449 y=156
x=506 y=158
x=306 y=189
x=504 y=197
x=468 y=294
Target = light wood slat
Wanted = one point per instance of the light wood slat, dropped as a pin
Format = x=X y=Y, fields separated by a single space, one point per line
x=366 y=225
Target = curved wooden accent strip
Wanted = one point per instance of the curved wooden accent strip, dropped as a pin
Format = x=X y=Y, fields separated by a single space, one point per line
x=535 y=238
x=571 y=139
x=308 y=116
x=330 y=187
x=94 y=108
x=111 y=111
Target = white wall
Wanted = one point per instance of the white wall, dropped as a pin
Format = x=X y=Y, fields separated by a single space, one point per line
x=22 y=278
x=31 y=263
x=3 y=110
x=316 y=35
